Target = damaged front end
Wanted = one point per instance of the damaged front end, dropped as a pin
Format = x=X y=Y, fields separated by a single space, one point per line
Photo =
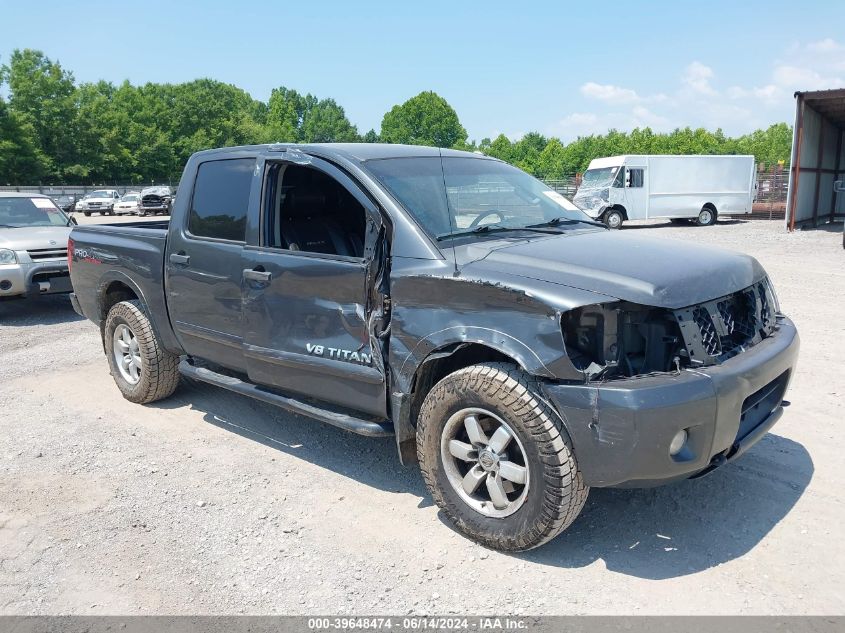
x=625 y=340
x=592 y=200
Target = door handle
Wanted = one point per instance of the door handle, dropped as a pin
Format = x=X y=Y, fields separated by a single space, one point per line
x=178 y=258
x=257 y=275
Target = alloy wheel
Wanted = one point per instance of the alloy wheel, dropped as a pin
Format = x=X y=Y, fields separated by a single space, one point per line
x=485 y=462
x=127 y=353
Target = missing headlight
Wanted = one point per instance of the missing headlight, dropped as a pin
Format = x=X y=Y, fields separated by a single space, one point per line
x=622 y=340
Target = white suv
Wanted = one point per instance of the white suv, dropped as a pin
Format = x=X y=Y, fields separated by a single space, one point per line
x=102 y=200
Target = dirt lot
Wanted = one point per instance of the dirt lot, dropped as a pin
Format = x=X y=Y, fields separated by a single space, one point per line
x=212 y=503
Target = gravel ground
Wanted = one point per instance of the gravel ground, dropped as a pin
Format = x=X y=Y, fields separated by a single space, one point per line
x=210 y=503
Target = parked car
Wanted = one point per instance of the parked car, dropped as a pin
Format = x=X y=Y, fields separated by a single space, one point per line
x=33 y=246
x=101 y=201
x=66 y=202
x=128 y=204
x=155 y=200
x=520 y=351
x=680 y=188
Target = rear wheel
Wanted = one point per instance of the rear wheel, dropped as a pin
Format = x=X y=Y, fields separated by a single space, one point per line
x=496 y=458
x=706 y=217
x=142 y=369
x=613 y=219
x=87 y=214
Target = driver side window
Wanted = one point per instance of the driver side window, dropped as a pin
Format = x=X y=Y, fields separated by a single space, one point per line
x=619 y=181
x=309 y=211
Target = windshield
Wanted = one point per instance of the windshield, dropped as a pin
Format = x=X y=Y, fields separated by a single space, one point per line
x=21 y=212
x=452 y=195
x=599 y=178
x=130 y=197
x=99 y=194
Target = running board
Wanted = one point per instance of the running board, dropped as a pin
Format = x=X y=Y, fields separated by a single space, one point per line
x=346 y=422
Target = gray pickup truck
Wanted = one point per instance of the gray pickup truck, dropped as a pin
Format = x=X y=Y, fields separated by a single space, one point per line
x=517 y=350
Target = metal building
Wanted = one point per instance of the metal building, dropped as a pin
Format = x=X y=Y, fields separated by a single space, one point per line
x=818 y=165
x=816 y=193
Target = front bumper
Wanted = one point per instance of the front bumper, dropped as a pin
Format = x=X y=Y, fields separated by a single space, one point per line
x=155 y=209
x=102 y=209
x=31 y=279
x=621 y=429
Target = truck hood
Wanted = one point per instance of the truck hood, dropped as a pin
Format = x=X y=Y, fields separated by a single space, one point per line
x=28 y=238
x=646 y=270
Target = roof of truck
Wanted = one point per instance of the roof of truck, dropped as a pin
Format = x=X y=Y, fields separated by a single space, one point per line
x=356 y=151
x=613 y=161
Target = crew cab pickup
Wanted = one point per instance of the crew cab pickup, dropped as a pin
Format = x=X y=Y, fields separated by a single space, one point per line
x=520 y=352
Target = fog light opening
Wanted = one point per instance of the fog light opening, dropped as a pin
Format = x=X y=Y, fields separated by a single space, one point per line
x=678 y=442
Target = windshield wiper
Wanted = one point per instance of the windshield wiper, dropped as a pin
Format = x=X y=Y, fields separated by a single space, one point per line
x=492 y=228
x=562 y=220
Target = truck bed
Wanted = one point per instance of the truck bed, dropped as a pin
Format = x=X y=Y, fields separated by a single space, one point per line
x=120 y=257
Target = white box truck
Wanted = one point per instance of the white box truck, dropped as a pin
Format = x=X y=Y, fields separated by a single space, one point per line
x=680 y=188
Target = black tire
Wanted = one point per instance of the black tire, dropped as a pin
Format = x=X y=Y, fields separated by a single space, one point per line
x=555 y=491
x=706 y=217
x=87 y=214
x=613 y=219
x=142 y=214
x=159 y=374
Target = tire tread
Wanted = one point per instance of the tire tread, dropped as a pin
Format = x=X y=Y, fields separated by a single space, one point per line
x=564 y=491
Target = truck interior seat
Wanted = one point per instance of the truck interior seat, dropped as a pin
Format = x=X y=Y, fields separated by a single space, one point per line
x=317 y=214
x=306 y=227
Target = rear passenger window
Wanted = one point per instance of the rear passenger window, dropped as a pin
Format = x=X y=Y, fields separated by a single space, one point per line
x=221 y=199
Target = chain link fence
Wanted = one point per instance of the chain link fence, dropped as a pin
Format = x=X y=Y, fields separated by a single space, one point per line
x=770 y=203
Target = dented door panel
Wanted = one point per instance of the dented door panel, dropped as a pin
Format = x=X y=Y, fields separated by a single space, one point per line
x=305 y=329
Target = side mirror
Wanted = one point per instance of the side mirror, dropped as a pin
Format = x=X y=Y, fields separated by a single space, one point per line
x=627 y=178
x=839 y=186
x=73 y=221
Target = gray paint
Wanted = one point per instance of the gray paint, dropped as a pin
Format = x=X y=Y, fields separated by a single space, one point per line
x=507 y=294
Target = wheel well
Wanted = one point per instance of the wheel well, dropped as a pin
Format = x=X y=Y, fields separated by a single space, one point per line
x=709 y=205
x=445 y=361
x=115 y=292
x=620 y=208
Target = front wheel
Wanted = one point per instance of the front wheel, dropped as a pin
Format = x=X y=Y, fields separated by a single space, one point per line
x=613 y=219
x=497 y=459
x=142 y=369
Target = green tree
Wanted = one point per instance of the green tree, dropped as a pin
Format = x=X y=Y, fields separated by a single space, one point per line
x=426 y=119
x=41 y=93
x=20 y=159
x=371 y=137
x=326 y=122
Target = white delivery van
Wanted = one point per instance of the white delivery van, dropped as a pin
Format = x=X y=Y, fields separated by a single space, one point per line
x=681 y=188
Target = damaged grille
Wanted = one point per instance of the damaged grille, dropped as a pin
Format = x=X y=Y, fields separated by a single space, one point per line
x=709 y=337
x=720 y=329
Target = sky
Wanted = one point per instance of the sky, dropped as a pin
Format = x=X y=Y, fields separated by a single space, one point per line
x=558 y=68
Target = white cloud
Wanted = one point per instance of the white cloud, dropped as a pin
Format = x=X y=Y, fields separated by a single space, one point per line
x=608 y=92
x=698 y=100
x=697 y=77
x=827 y=45
x=803 y=78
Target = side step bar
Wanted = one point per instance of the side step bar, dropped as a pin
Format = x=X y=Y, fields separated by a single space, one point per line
x=360 y=426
